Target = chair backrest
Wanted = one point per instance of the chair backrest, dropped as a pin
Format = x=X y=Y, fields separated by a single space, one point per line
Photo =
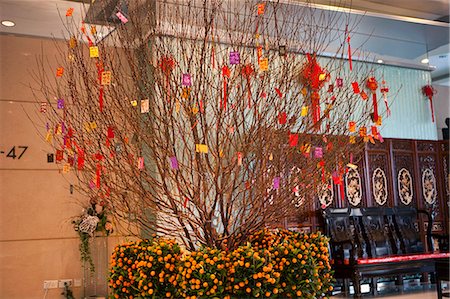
x=377 y=231
x=338 y=224
x=405 y=221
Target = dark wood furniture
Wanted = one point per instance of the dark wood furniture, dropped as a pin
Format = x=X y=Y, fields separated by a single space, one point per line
x=442 y=274
x=376 y=242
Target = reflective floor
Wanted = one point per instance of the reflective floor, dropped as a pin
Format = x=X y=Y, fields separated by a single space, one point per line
x=411 y=289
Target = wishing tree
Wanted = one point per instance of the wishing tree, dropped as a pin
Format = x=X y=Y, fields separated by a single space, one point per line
x=208 y=121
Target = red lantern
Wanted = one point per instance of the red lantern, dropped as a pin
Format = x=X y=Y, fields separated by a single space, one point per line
x=429 y=92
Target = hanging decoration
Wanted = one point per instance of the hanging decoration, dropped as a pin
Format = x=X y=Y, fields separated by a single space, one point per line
x=313 y=77
x=384 y=90
x=349 y=48
x=226 y=75
x=248 y=71
x=372 y=84
x=429 y=92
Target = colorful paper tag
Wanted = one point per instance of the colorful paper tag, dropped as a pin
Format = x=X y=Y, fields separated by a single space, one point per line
x=106 y=78
x=186 y=80
x=93 y=52
x=235 y=57
x=201 y=148
x=121 y=17
x=173 y=162
x=145 y=106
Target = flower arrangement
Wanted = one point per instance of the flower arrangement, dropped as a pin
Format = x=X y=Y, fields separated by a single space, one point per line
x=93 y=219
x=279 y=264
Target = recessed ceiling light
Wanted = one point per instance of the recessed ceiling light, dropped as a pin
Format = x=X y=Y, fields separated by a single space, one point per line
x=425 y=60
x=8 y=23
x=380 y=61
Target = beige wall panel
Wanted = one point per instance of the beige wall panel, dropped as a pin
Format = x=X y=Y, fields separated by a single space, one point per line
x=24 y=265
x=37 y=241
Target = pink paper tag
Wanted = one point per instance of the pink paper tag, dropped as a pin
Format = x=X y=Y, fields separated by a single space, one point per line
x=121 y=17
x=174 y=162
x=186 y=80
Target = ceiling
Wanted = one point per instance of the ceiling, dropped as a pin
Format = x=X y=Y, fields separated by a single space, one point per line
x=402 y=32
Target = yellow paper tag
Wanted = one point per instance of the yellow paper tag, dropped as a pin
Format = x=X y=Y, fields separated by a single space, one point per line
x=87 y=127
x=379 y=120
x=106 y=78
x=352 y=140
x=49 y=137
x=93 y=52
x=73 y=42
x=134 y=103
x=93 y=125
x=66 y=168
x=185 y=93
x=201 y=148
x=264 y=64
x=304 y=111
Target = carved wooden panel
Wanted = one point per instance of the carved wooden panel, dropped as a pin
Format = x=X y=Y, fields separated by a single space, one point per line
x=403 y=145
x=378 y=146
x=404 y=181
x=428 y=182
x=355 y=196
x=380 y=180
x=426 y=146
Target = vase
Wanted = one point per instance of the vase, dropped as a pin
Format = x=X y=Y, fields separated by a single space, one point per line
x=95 y=280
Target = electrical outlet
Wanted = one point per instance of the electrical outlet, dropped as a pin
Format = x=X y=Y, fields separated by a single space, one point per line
x=50 y=284
x=61 y=283
x=77 y=282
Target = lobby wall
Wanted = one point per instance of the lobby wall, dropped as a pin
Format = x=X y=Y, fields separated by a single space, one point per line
x=37 y=240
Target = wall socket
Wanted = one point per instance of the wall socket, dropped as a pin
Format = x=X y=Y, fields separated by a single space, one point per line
x=61 y=283
x=50 y=284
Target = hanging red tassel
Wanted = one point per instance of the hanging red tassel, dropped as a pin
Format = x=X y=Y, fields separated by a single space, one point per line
x=247 y=72
x=167 y=64
x=349 y=53
x=372 y=84
x=100 y=99
x=315 y=98
x=349 y=48
x=99 y=74
x=226 y=75
x=429 y=92
x=97 y=175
